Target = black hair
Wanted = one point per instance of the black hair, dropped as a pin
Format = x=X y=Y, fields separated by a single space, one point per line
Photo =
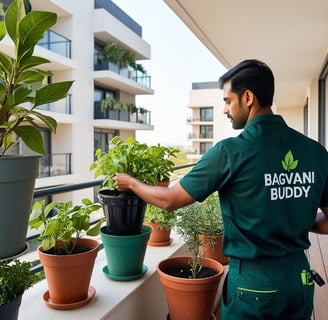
x=251 y=75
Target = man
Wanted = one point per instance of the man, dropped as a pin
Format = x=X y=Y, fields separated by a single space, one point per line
x=271 y=180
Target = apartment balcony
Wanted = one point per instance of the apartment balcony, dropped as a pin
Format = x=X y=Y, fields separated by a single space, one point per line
x=199 y=136
x=197 y=120
x=119 y=14
x=57 y=43
x=127 y=79
x=120 y=115
x=144 y=299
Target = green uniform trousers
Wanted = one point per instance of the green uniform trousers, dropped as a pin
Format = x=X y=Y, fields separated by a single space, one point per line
x=267 y=289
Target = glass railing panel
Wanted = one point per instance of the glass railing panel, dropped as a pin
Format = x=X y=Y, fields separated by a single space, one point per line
x=56 y=43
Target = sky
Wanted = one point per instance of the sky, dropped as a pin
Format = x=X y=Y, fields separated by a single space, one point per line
x=178 y=59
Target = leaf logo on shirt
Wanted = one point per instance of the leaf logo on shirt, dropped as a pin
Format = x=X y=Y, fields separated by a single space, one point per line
x=289 y=163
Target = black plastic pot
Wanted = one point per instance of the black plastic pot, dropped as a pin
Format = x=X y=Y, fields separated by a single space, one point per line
x=10 y=311
x=124 y=211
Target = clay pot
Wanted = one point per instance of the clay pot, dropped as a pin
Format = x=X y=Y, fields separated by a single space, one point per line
x=215 y=252
x=68 y=276
x=158 y=237
x=190 y=299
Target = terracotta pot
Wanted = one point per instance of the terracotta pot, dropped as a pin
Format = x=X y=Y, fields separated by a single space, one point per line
x=158 y=237
x=215 y=252
x=68 y=276
x=190 y=299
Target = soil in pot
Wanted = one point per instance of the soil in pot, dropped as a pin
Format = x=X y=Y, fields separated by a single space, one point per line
x=184 y=271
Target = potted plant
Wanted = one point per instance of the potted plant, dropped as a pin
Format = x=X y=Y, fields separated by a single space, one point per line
x=66 y=254
x=162 y=222
x=211 y=229
x=190 y=282
x=124 y=211
x=15 y=278
x=22 y=90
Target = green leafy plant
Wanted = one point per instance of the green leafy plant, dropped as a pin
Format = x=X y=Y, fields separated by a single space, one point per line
x=139 y=160
x=15 y=278
x=120 y=56
x=164 y=165
x=22 y=83
x=61 y=231
x=165 y=220
x=210 y=218
x=188 y=227
x=194 y=219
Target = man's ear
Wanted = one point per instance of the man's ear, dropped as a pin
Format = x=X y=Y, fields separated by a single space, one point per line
x=249 y=97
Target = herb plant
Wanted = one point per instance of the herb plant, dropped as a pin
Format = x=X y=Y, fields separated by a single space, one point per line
x=164 y=219
x=61 y=231
x=146 y=163
x=15 y=278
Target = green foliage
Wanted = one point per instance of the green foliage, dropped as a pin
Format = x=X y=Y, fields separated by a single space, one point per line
x=15 y=278
x=61 y=231
x=200 y=217
x=165 y=219
x=22 y=84
x=145 y=163
x=120 y=56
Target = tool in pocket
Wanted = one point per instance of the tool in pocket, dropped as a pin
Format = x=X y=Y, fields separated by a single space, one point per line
x=309 y=277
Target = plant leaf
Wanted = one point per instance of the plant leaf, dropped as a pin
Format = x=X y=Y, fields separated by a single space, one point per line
x=31 y=137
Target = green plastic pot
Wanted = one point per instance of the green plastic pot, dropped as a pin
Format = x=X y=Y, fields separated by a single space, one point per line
x=125 y=254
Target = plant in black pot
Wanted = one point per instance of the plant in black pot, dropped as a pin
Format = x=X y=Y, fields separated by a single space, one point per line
x=67 y=255
x=15 y=278
x=22 y=89
x=124 y=210
x=190 y=282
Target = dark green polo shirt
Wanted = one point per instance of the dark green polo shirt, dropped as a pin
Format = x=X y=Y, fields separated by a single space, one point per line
x=271 y=181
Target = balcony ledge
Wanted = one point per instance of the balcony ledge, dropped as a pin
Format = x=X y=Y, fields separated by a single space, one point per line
x=139 y=299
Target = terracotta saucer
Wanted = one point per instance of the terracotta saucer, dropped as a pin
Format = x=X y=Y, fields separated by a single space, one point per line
x=160 y=244
x=67 y=306
x=124 y=278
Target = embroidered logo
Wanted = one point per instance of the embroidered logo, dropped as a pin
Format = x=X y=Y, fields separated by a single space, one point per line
x=289 y=184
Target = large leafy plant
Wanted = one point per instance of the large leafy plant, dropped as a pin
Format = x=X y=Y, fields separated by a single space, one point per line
x=15 y=278
x=63 y=224
x=22 y=84
x=146 y=163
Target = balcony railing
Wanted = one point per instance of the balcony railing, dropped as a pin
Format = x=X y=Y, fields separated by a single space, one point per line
x=200 y=136
x=55 y=164
x=56 y=43
x=128 y=73
x=120 y=115
x=61 y=106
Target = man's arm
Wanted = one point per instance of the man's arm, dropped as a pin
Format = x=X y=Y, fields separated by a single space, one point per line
x=321 y=223
x=167 y=198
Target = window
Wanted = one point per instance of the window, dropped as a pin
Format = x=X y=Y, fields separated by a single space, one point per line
x=98 y=96
x=206 y=132
x=205 y=146
x=102 y=138
x=206 y=114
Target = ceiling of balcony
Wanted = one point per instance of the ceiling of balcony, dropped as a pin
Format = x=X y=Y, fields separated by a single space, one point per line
x=290 y=36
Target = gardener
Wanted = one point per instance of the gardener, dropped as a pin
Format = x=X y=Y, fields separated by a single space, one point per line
x=271 y=180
